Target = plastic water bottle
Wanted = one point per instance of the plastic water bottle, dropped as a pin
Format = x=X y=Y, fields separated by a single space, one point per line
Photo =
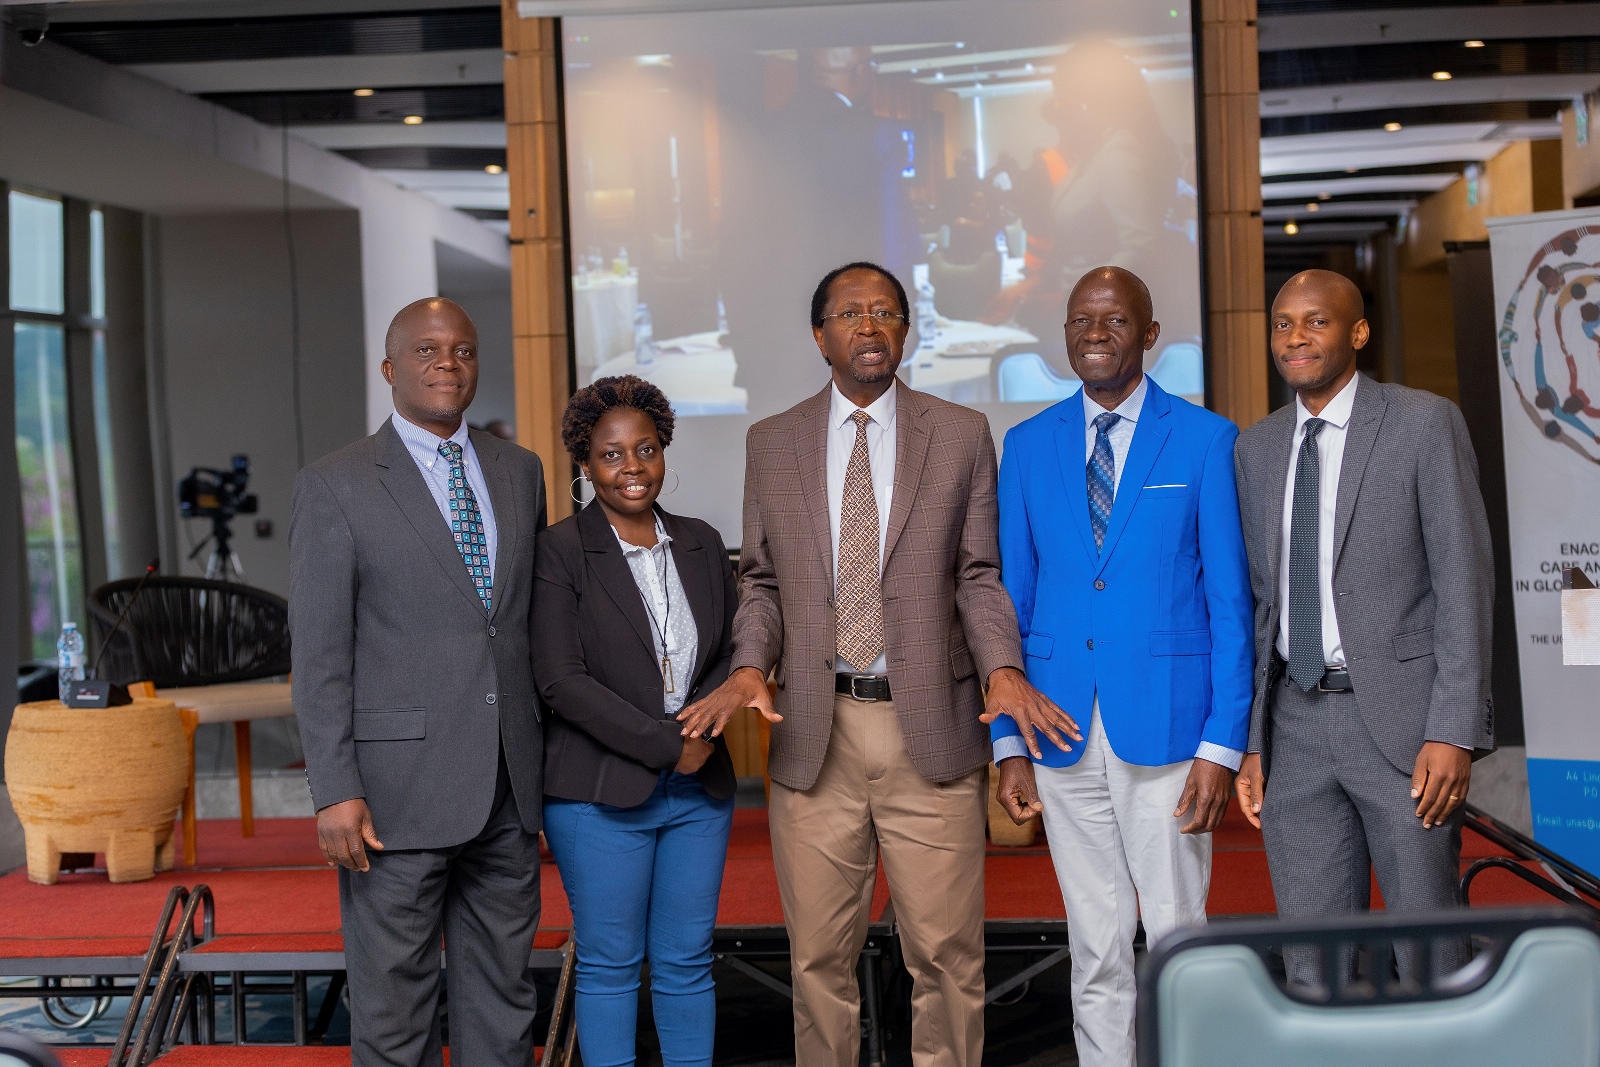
x=69 y=657
x=722 y=314
x=644 y=345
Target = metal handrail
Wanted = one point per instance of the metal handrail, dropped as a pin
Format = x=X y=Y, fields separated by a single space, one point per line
x=1519 y=844
x=1538 y=881
x=156 y=957
x=171 y=997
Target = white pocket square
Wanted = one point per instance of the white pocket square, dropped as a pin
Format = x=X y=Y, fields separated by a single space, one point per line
x=1170 y=485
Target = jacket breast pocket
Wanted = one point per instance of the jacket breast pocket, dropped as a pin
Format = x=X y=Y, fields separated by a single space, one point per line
x=1039 y=646
x=1181 y=643
x=391 y=724
x=1414 y=645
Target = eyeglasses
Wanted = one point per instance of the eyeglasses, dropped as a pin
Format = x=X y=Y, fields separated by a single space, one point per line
x=882 y=317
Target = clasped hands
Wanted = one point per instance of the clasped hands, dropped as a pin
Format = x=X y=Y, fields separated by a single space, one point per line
x=1206 y=790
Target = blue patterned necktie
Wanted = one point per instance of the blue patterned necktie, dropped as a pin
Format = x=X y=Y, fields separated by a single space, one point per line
x=1102 y=477
x=1306 y=662
x=466 y=524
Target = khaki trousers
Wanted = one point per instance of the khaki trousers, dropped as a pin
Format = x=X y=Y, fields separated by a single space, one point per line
x=825 y=845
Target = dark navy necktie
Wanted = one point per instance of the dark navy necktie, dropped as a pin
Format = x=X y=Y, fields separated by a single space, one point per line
x=1102 y=477
x=466 y=524
x=1305 y=588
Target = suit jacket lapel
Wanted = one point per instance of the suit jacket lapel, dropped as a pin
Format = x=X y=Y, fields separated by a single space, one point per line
x=1365 y=420
x=1074 y=465
x=504 y=503
x=695 y=565
x=602 y=552
x=811 y=452
x=1149 y=437
x=400 y=476
x=911 y=450
x=1280 y=443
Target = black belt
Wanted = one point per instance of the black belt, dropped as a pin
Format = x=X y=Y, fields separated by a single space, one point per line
x=1334 y=680
x=868 y=687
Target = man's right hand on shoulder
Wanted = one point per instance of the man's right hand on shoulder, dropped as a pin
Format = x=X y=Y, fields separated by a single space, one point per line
x=745 y=688
x=344 y=833
x=1018 y=792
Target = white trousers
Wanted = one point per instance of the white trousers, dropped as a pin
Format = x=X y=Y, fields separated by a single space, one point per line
x=1118 y=854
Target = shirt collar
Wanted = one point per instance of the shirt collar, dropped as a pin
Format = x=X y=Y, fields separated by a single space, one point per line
x=1337 y=411
x=424 y=444
x=881 y=410
x=662 y=539
x=1129 y=409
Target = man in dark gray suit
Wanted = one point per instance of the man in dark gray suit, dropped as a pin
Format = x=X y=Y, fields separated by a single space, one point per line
x=1370 y=561
x=411 y=585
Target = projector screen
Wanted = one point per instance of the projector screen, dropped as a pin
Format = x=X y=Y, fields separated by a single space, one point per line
x=988 y=152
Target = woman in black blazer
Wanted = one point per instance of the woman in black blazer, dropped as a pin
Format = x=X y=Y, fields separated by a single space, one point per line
x=633 y=619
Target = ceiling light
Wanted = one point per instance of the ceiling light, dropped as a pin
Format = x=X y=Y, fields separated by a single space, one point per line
x=1389 y=127
x=1472 y=44
x=413 y=120
x=1352 y=170
x=1324 y=196
x=1441 y=75
x=494 y=168
x=363 y=92
x=1290 y=228
x=1313 y=206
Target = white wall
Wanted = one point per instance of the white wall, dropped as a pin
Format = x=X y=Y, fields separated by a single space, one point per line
x=228 y=352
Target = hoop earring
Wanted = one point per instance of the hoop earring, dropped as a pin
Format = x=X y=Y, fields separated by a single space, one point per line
x=573 y=490
x=676 y=481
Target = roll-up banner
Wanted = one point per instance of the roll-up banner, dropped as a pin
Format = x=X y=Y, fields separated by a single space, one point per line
x=1547 y=291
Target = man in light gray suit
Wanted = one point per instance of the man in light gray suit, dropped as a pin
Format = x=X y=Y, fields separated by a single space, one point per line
x=1370 y=561
x=411 y=585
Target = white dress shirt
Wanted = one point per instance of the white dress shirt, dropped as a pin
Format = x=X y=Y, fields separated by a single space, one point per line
x=424 y=448
x=655 y=572
x=881 y=454
x=1121 y=438
x=1330 y=455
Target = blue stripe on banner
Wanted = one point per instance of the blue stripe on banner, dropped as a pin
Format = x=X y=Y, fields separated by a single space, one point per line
x=1565 y=795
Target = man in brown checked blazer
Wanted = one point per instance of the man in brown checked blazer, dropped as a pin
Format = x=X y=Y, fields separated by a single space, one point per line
x=870 y=579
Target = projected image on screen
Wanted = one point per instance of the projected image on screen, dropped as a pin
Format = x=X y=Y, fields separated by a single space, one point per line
x=987 y=151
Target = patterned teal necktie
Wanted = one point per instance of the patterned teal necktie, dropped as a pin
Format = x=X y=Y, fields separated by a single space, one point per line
x=466 y=523
x=1102 y=477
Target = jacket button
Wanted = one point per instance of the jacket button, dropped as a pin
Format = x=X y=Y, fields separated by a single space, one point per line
x=1099 y=583
x=491 y=631
x=1091 y=644
x=489 y=699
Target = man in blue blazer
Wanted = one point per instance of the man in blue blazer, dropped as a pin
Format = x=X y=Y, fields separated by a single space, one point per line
x=1121 y=546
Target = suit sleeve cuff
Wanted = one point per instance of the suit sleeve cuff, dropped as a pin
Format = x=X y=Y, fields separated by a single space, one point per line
x=1213 y=753
x=1007 y=747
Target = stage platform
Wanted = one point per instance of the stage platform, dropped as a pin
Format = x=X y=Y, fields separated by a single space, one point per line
x=277 y=913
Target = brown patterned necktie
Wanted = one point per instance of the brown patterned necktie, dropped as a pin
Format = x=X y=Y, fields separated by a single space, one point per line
x=859 y=619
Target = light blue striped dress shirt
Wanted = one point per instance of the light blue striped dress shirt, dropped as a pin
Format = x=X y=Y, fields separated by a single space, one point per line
x=424 y=448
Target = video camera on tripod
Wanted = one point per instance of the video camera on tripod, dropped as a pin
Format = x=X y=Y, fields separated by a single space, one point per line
x=218 y=495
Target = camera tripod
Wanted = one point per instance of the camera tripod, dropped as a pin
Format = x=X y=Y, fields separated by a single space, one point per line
x=223 y=563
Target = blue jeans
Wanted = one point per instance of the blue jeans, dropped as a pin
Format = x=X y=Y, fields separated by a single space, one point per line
x=643 y=879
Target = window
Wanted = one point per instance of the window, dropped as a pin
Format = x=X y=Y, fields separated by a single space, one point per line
x=49 y=503
x=52 y=539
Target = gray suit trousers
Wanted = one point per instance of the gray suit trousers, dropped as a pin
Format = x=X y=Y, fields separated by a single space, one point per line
x=1337 y=810
x=482 y=897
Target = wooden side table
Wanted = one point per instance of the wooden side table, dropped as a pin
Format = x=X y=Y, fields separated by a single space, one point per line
x=98 y=780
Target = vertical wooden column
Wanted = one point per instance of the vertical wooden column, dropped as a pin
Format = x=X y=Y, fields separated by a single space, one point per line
x=1230 y=102
x=538 y=245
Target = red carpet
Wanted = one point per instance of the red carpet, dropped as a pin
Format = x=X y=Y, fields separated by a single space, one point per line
x=274 y=892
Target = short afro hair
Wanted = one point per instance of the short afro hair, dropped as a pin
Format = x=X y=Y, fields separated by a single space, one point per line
x=591 y=402
x=819 y=299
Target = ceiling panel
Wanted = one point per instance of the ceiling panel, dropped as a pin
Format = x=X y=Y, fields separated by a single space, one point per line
x=460 y=66
x=1389 y=25
x=212 y=40
x=1359 y=185
x=392 y=134
x=329 y=107
x=1373 y=96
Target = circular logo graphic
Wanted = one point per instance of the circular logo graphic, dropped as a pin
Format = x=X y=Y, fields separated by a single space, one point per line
x=1550 y=340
